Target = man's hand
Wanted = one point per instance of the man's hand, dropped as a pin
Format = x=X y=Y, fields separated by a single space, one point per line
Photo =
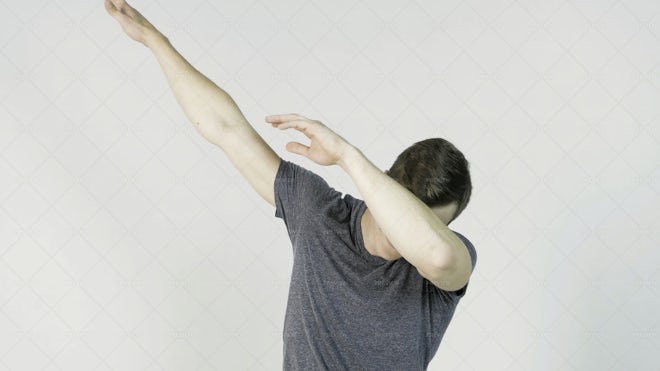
x=134 y=24
x=326 y=148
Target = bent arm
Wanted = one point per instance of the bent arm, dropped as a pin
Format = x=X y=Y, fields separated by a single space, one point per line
x=412 y=228
x=410 y=225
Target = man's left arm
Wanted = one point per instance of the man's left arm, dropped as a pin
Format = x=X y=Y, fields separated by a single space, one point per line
x=412 y=228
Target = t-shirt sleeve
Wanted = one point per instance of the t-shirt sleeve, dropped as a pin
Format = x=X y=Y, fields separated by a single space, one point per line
x=301 y=194
x=473 y=257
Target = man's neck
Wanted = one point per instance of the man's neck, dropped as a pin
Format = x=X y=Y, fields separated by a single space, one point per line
x=374 y=239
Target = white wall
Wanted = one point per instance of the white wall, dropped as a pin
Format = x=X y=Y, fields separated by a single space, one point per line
x=129 y=242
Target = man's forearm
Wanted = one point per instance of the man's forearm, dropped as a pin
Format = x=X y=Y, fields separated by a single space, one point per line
x=409 y=224
x=207 y=106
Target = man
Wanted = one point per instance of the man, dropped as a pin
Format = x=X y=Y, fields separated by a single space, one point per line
x=375 y=282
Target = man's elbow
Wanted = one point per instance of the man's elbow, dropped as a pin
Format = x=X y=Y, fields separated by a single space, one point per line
x=448 y=270
x=214 y=129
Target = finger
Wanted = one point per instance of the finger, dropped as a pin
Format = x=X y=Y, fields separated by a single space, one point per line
x=300 y=125
x=124 y=8
x=110 y=7
x=119 y=4
x=116 y=8
x=115 y=4
x=285 y=117
x=117 y=14
x=297 y=148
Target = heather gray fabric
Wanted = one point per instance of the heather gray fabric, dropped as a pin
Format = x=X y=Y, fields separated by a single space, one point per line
x=348 y=309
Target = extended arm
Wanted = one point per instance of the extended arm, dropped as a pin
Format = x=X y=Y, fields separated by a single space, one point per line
x=213 y=112
x=414 y=230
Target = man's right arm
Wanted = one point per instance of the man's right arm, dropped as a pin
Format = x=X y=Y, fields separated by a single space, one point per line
x=212 y=111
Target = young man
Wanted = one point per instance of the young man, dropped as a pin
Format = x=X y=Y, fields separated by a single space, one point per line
x=375 y=282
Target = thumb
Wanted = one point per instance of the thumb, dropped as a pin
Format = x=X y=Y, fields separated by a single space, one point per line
x=297 y=148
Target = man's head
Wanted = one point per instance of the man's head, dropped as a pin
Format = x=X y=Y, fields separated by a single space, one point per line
x=436 y=172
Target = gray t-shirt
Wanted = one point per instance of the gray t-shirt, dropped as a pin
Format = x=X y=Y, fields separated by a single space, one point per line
x=348 y=309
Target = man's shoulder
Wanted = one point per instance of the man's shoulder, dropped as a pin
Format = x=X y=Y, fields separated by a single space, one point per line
x=470 y=247
x=302 y=192
x=298 y=174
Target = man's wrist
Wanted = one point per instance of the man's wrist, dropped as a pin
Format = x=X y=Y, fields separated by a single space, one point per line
x=154 y=39
x=349 y=157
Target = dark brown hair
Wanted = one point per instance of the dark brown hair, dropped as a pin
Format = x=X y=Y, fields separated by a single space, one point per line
x=436 y=172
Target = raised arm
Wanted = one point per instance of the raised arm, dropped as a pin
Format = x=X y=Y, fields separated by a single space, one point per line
x=212 y=111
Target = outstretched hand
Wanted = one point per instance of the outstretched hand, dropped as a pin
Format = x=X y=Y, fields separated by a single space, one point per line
x=132 y=22
x=326 y=148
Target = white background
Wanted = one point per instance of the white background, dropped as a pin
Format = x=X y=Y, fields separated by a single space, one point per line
x=129 y=242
